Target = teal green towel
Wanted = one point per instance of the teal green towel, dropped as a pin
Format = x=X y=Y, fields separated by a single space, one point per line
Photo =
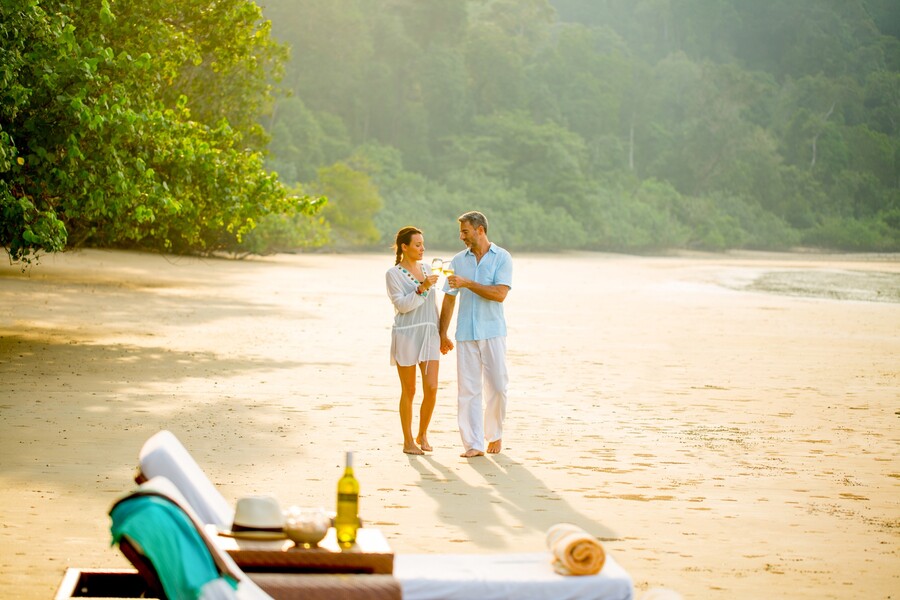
x=171 y=542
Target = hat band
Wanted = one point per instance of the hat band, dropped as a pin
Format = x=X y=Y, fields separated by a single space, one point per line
x=238 y=527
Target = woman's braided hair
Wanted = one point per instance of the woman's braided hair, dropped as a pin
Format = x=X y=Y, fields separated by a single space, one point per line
x=404 y=236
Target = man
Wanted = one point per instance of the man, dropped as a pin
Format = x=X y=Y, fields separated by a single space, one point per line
x=482 y=278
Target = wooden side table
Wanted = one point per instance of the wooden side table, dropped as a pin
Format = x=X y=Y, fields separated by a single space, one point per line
x=370 y=554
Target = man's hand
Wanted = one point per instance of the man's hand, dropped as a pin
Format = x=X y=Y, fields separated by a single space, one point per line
x=455 y=281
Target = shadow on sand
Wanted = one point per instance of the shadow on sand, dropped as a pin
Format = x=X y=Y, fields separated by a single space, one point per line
x=511 y=497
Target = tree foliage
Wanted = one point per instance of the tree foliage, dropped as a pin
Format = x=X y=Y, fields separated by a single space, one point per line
x=135 y=124
x=632 y=125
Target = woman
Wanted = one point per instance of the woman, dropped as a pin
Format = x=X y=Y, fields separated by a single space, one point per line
x=414 y=337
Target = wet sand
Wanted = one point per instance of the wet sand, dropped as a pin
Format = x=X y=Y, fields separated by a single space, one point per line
x=729 y=425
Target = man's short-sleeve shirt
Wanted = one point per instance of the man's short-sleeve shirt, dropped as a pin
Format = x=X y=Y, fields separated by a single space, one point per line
x=478 y=318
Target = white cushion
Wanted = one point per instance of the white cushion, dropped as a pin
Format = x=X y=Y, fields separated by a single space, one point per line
x=164 y=456
x=503 y=577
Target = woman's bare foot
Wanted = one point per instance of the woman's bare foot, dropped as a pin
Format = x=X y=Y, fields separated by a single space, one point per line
x=494 y=447
x=412 y=449
x=422 y=441
x=472 y=453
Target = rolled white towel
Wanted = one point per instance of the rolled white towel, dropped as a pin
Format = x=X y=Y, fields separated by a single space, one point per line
x=574 y=551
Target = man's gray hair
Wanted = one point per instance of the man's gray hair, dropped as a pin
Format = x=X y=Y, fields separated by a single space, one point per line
x=475 y=219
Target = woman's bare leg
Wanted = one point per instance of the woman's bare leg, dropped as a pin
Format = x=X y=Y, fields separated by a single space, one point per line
x=429 y=388
x=407 y=392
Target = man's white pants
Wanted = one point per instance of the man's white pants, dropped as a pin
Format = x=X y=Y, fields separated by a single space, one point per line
x=481 y=366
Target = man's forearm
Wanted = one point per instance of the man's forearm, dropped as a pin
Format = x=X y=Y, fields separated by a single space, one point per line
x=497 y=293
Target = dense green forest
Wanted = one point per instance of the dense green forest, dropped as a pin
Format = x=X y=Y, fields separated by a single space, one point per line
x=628 y=125
x=622 y=125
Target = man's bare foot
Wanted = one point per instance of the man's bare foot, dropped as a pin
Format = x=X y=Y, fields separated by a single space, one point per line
x=472 y=453
x=494 y=447
x=412 y=449
x=422 y=441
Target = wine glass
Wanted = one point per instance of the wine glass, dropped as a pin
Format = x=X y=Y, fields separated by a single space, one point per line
x=437 y=264
x=448 y=271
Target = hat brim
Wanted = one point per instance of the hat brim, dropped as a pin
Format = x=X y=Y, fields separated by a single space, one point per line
x=250 y=534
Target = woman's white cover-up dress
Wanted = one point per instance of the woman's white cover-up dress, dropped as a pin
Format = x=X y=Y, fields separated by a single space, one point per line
x=414 y=336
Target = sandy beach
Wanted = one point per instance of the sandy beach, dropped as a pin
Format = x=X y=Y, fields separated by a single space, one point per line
x=728 y=425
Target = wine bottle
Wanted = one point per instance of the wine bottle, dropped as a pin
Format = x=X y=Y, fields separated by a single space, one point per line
x=346 y=522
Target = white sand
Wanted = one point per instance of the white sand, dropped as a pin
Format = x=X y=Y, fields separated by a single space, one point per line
x=724 y=443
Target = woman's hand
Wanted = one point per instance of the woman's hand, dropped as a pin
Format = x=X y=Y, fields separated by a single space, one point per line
x=431 y=280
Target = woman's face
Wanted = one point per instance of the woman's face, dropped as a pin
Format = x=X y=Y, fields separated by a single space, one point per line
x=415 y=249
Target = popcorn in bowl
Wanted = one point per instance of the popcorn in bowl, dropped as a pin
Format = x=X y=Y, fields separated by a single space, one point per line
x=306 y=527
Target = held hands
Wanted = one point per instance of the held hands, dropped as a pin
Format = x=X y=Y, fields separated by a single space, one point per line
x=446 y=344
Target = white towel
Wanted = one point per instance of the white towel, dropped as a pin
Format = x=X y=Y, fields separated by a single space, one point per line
x=574 y=551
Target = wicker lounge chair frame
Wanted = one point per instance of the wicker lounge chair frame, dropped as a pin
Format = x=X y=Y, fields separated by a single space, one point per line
x=273 y=585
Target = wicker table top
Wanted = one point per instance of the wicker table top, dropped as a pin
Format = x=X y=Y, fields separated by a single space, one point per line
x=370 y=554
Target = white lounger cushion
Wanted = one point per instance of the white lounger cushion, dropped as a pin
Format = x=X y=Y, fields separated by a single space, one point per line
x=422 y=576
x=504 y=577
x=164 y=456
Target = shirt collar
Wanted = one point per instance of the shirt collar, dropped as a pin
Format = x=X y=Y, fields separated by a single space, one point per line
x=470 y=253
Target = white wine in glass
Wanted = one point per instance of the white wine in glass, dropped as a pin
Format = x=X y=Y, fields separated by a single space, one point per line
x=448 y=270
x=437 y=264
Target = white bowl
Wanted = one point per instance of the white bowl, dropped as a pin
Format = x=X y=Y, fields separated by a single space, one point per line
x=306 y=526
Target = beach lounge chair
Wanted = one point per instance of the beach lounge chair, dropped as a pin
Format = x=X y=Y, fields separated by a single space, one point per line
x=421 y=576
x=163 y=455
x=162 y=536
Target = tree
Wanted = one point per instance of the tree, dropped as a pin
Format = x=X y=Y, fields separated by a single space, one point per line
x=331 y=57
x=353 y=201
x=636 y=124
x=34 y=48
x=102 y=148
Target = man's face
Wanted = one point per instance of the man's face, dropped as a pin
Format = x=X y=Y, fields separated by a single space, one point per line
x=468 y=234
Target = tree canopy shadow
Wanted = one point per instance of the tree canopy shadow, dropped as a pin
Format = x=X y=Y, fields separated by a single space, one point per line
x=147 y=388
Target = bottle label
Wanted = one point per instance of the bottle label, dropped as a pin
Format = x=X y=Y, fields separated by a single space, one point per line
x=348 y=497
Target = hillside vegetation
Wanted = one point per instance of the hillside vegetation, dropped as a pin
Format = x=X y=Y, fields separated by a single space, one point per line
x=202 y=126
x=628 y=125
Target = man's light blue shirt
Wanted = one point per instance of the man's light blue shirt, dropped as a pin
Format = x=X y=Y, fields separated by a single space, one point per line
x=478 y=318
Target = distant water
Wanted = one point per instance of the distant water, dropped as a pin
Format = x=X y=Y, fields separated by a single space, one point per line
x=869 y=286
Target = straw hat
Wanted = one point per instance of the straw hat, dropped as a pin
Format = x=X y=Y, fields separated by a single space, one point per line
x=257 y=517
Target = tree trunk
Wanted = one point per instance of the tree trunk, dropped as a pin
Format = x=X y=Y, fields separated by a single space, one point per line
x=812 y=162
x=631 y=144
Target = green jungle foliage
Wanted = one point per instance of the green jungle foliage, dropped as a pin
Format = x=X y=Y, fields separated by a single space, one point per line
x=616 y=125
x=136 y=124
